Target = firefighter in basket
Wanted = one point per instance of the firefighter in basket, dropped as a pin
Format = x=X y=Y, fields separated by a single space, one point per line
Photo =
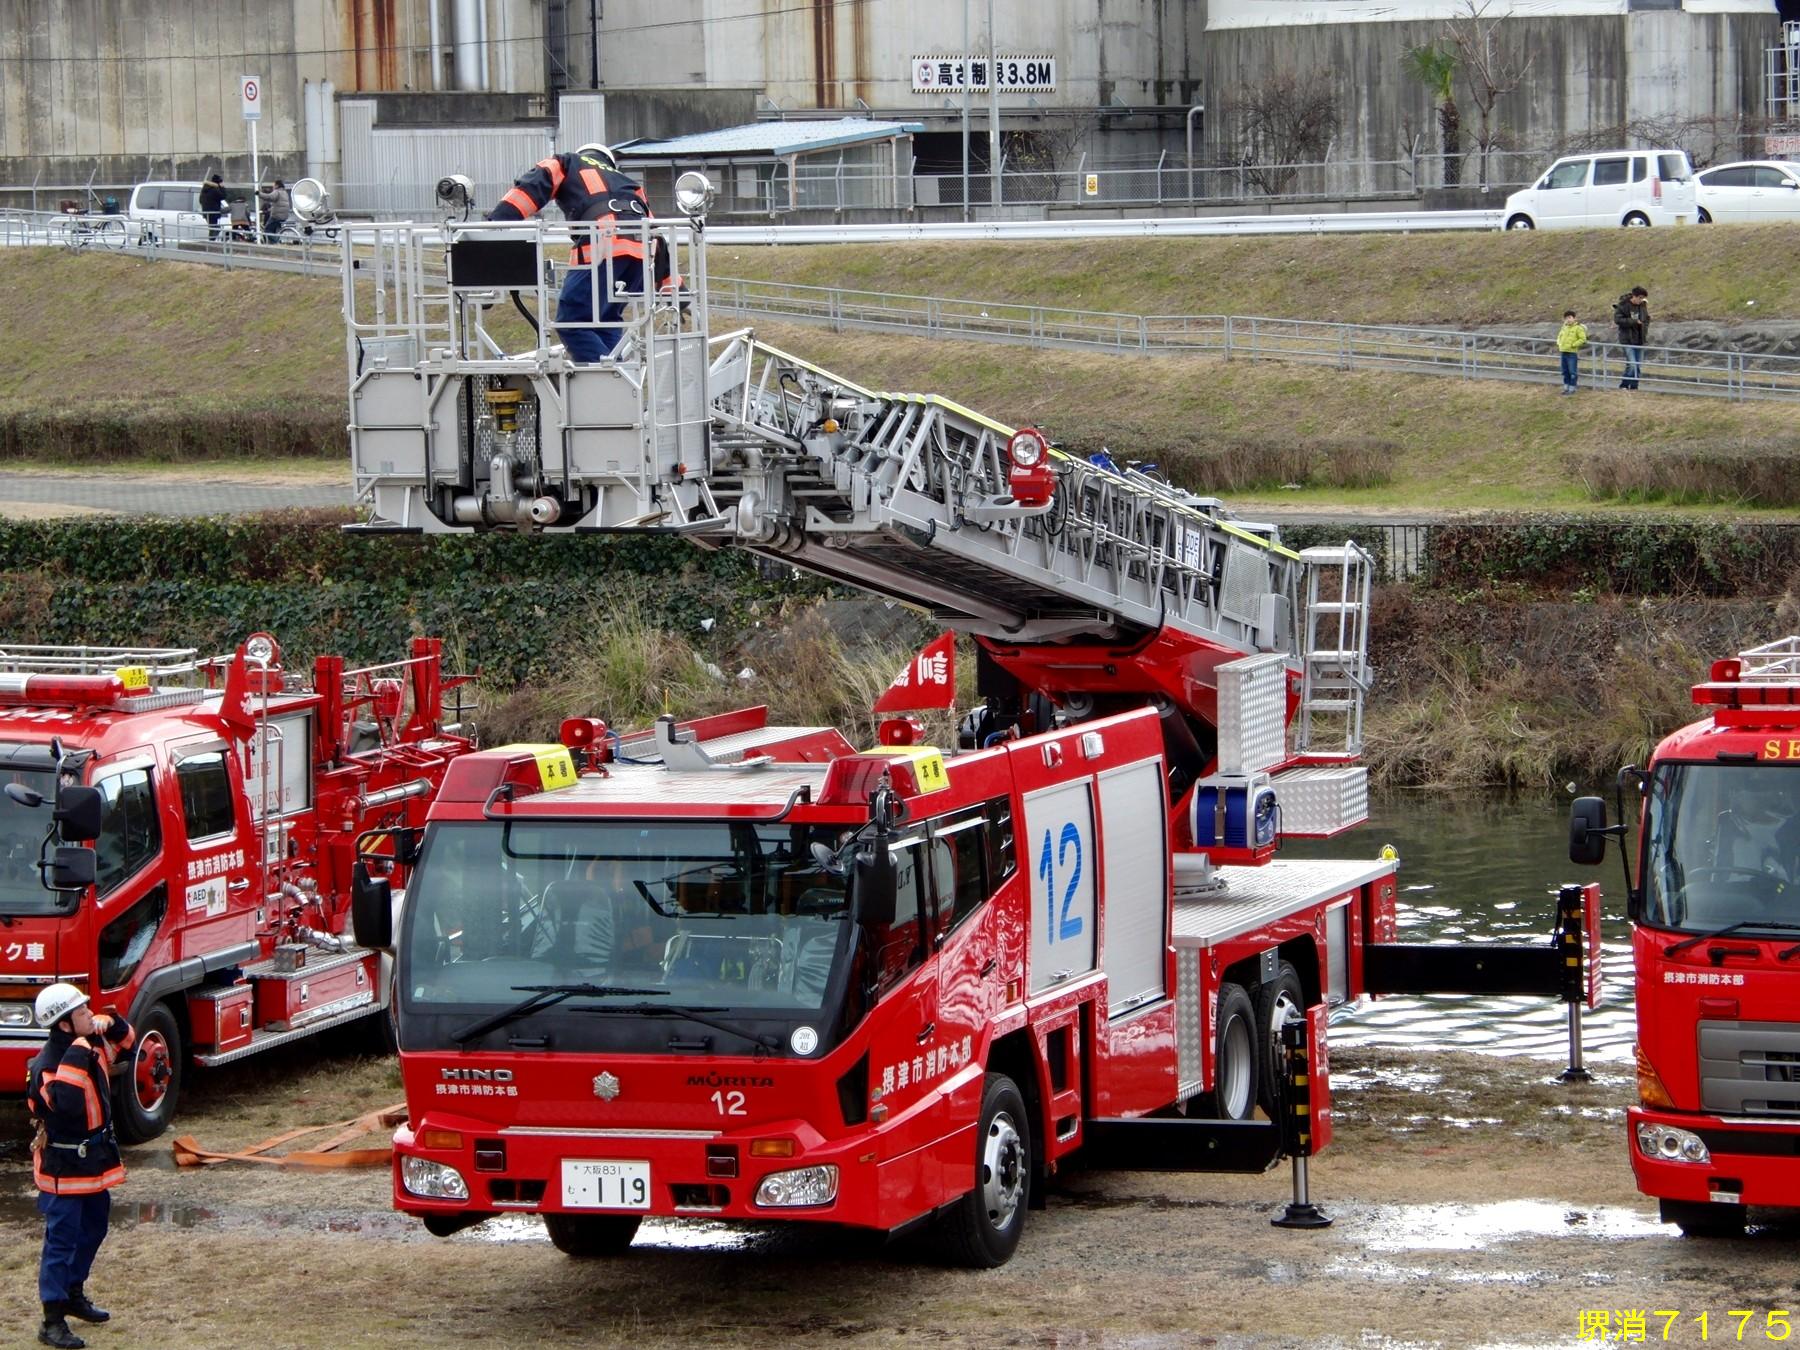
x=589 y=188
x=74 y=1156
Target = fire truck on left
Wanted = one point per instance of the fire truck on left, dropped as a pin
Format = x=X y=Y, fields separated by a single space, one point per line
x=177 y=835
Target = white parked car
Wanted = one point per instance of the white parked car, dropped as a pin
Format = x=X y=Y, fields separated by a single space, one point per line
x=1761 y=189
x=170 y=210
x=1616 y=187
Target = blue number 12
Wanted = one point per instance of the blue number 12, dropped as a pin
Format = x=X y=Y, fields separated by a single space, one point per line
x=1071 y=924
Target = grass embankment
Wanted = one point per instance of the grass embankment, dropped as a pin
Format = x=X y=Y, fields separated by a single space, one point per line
x=123 y=359
x=1455 y=280
x=158 y=362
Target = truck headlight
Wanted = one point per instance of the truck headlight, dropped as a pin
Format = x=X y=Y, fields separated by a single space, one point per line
x=1665 y=1143
x=801 y=1187
x=432 y=1180
x=16 y=1015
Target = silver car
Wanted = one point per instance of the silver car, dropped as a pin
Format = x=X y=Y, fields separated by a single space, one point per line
x=1751 y=190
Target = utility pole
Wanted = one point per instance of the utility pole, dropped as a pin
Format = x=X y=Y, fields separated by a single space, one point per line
x=594 y=39
x=994 y=110
x=963 y=60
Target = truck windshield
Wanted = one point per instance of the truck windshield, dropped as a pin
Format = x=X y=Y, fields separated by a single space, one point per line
x=708 y=914
x=1722 y=847
x=21 y=833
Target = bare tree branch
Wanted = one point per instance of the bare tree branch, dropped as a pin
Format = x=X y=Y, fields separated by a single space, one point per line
x=1284 y=120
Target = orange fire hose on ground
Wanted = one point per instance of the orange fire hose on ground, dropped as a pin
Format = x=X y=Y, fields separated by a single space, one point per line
x=329 y=1154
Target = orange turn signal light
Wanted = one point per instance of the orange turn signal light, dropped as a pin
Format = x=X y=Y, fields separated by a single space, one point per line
x=440 y=1139
x=1651 y=1091
x=771 y=1148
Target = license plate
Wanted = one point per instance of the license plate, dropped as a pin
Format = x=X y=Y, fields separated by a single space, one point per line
x=592 y=1184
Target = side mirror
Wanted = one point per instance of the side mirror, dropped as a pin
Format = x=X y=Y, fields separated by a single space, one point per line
x=79 y=811
x=406 y=847
x=71 y=868
x=371 y=909
x=874 y=885
x=1587 y=826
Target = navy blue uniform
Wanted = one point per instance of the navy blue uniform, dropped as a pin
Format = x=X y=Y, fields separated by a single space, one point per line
x=588 y=191
x=69 y=1093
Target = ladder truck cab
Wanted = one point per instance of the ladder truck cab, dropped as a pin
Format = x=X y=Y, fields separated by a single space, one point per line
x=178 y=837
x=1715 y=915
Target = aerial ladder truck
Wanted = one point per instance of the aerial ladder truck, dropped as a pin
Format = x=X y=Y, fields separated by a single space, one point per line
x=725 y=968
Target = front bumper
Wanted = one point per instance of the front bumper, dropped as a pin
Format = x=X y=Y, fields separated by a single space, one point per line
x=1751 y=1163
x=693 y=1173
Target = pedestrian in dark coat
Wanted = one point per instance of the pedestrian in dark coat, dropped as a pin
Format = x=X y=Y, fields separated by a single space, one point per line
x=1632 y=318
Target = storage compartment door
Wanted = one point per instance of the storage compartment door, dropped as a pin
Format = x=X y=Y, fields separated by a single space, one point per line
x=1134 y=885
x=1059 y=854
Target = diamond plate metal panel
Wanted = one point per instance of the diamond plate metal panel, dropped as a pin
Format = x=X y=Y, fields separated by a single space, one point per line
x=1245 y=582
x=1188 y=1025
x=1252 y=714
x=1324 y=800
x=1254 y=896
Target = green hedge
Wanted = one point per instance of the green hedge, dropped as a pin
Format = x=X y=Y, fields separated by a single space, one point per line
x=122 y=433
x=506 y=603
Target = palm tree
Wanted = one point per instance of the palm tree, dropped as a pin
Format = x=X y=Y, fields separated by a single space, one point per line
x=1435 y=68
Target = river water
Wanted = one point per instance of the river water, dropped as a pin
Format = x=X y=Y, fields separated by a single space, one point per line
x=1485 y=867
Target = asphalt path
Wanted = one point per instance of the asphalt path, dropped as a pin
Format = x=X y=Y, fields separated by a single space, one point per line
x=25 y=496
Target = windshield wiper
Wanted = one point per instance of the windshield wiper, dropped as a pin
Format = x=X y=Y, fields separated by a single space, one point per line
x=763 y=1041
x=1675 y=949
x=543 y=996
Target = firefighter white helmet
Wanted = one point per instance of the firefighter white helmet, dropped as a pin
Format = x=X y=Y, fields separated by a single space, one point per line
x=604 y=153
x=57 y=1002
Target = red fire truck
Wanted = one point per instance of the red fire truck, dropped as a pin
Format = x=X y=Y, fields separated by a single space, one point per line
x=224 y=799
x=1715 y=913
x=731 y=969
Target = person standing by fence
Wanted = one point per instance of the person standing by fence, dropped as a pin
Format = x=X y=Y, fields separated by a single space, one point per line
x=1570 y=339
x=212 y=205
x=1632 y=317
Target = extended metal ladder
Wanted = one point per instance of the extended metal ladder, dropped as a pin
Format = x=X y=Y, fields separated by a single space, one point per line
x=1335 y=671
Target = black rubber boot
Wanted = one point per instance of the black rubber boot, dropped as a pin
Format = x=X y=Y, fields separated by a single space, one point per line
x=77 y=1304
x=55 y=1330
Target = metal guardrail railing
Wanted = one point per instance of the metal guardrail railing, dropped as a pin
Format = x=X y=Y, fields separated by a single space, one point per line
x=1668 y=370
x=1715 y=373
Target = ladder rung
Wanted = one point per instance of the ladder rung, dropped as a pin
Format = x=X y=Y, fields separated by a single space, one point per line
x=1335 y=657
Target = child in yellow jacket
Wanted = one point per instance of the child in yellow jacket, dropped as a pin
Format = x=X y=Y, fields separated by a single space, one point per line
x=1570 y=339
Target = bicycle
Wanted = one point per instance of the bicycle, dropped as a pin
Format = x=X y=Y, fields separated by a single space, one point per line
x=82 y=230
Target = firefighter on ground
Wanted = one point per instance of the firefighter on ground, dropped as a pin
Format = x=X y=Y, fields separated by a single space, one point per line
x=74 y=1156
x=588 y=186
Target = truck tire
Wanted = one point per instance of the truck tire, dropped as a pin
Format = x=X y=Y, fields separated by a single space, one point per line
x=982 y=1229
x=587 y=1236
x=1703 y=1219
x=1239 y=1051
x=1277 y=1001
x=148 y=1087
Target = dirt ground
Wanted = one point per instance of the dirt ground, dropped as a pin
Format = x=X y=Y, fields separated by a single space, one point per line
x=1476 y=1202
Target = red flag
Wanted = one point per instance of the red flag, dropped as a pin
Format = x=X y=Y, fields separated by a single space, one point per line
x=928 y=681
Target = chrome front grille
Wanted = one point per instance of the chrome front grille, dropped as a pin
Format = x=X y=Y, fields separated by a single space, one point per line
x=1750 y=1068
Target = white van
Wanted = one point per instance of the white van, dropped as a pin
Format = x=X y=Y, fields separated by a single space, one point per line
x=1615 y=187
x=170 y=210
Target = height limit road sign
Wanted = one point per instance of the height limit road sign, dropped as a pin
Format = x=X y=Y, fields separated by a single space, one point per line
x=250 y=86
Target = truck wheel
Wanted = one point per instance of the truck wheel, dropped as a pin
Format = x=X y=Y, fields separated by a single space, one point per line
x=586 y=1236
x=146 y=1091
x=982 y=1229
x=1278 y=1001
x=1239 y=1049
x=1703 y=1219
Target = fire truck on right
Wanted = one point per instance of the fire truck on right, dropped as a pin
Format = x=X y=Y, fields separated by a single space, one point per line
x=1715 y=918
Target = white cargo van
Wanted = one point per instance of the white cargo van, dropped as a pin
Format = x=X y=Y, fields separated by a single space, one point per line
x=1615 y=187
x=171 y=210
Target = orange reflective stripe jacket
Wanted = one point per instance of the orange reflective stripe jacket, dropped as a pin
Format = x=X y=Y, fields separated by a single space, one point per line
x=588 y=193
x=69 y=1090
